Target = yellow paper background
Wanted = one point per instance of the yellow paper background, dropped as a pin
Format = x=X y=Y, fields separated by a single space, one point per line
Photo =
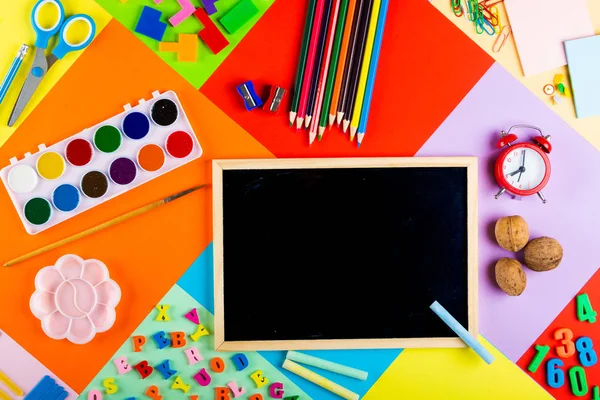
x=15 y=30
x=508 y=57
x=454 y=374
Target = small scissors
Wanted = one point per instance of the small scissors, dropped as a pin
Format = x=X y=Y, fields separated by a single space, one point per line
x=41 y=63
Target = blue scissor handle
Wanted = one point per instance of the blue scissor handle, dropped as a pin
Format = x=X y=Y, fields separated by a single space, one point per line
x=64 y=46
x=43 y=35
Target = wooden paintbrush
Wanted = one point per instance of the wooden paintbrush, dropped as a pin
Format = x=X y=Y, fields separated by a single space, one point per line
x=102 y=226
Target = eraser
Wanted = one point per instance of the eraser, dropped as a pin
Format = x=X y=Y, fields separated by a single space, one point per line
x=238 y=16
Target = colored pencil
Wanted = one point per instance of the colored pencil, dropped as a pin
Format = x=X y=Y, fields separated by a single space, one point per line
x=310 y=63
x=104 y=225
x=339 y=31
x=312 y=96
x=354 y=114
x=350 y=59
x=324 y=71
x=354 y=75
x=310 y=15
x=364 y=118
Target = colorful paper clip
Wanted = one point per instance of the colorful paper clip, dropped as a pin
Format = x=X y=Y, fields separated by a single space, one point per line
x=251 y=99
x=483 y=25
x=457 y=8
x=276 y=96
x=495 y=13
x=501 y=39
x=488 y=15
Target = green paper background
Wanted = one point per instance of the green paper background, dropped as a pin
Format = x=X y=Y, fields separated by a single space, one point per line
x=196 y=73
x=132 y=385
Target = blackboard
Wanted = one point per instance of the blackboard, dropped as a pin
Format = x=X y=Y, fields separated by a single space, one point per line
x=343 y=253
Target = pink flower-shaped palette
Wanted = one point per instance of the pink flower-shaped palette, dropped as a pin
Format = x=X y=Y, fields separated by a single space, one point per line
x=75 y=299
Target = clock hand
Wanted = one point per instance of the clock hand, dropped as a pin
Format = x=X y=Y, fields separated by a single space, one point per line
x=522 y=169
x=514 y=173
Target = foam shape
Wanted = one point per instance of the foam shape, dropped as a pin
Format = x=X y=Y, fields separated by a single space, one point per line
x=122 y=366
x=222 y=393
x=202 y=377
x=75 y=299
x=47 y=388
x=193 y=355
x=194 y=397
x=187 y=9
x=200 y=331
x=217 y=365
x=307 y=359
x=238 y=16
x=153 y=393
x=94 y=395
x=210 y=34
x=186 y=47
x=209 y=6
x=192 y=315
x=110 y=385
x=276 y=390
x=178 y=339
x=240 y=360
x=161 y=340
x=259 y=379
x=179 y=384
x=256 y=396
x=166 y=371
x=464 y=334
x=149 y=24
x=237 y=391
x=539 y=39
x=585 y=311
x=162 y=313
x=144 y=369
x=584 y=60
x=138 y=343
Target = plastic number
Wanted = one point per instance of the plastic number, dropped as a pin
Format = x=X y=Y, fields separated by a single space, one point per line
x=555 y=377
x=579 y=386
x=587 y=355
x=538 y=358
x=565 y=335
x=585 y=312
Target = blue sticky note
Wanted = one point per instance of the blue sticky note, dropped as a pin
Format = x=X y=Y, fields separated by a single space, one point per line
x=150 y=24
x=583 y=56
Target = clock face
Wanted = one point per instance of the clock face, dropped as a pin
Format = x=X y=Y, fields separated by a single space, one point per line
x=524 y=168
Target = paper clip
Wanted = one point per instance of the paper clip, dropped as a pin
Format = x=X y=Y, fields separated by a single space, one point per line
x=457 y=8
x=494 y=11
x=488 y=15
x=473 y=10
x=501 y=39
x=489 y=3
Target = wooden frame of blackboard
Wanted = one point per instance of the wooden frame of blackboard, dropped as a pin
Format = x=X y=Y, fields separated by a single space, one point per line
x=470 y=163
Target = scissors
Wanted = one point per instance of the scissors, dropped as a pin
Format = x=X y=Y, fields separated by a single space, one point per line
x=41 y=63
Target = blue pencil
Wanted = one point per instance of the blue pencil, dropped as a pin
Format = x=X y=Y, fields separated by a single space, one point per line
x=12 y=71
x=364 y=115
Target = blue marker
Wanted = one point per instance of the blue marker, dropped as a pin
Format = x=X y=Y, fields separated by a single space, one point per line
x=12 y=71
x=464 y=334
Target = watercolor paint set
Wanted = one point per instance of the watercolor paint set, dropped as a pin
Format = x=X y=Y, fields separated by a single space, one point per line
x=100 y=162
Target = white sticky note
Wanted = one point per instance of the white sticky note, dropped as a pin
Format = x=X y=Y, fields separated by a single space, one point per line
x=541 y=26
x=584 y=69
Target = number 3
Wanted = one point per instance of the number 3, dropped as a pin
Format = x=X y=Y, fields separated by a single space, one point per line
x=565 y=335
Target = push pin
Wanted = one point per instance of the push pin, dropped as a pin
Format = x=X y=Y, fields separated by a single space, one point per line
x=275 y=98
x=251 y=99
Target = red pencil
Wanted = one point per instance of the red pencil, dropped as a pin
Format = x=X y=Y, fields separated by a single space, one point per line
x=310 y=63
x=324 y=72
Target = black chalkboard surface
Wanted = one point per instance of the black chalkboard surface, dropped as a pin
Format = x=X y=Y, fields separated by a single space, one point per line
x=340 y=253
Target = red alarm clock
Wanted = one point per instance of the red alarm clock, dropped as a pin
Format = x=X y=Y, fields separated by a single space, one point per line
x=523 y=169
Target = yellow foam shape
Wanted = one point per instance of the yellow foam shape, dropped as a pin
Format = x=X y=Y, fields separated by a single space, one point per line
x=454 y=374
x=15 y=31
x=186 y=48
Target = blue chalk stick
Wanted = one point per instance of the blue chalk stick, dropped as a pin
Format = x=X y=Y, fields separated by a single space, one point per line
x=466 y=337
x=149 y=24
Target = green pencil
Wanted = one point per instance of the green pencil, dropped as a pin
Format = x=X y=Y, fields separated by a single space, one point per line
x=310 y=16
x=335 y=55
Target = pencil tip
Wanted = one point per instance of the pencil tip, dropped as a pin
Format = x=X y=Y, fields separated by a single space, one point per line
x=360 y=138
x=331 y=119
x=345 y=126
x=292 y=117
x=307 y=121
x=299 y=123
x=352 y=132
x=340 y=115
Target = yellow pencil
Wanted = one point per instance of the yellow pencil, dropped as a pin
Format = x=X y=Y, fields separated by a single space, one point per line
x=364 y=70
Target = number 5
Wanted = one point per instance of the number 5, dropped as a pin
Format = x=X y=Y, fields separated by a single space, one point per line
x=568 y=347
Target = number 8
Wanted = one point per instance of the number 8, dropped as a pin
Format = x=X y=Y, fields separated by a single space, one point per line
x=587 y=355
